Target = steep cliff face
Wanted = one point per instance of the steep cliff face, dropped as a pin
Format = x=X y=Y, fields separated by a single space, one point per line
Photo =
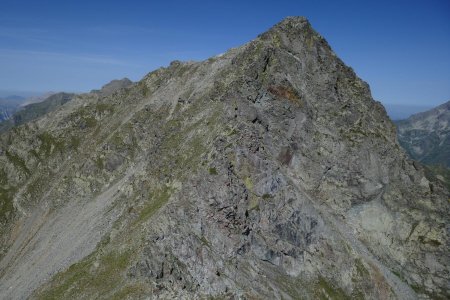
x=266 y=172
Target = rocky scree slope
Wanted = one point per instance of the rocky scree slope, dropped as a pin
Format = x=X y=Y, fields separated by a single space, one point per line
x=266 y=172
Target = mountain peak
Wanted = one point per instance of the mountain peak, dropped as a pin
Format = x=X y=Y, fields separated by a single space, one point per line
x=295 y=34
x=267 y=172
x=293 y=22
x=290 y=25
x=113 y=86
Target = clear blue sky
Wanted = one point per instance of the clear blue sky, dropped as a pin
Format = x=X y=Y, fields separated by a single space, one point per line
x=401 y=48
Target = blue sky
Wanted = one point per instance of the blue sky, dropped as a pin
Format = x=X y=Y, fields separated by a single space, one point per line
x=401 y=48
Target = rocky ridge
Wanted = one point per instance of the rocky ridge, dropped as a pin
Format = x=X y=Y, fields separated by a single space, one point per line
x=266 y=172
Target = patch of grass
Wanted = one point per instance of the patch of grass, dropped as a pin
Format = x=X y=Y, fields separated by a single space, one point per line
x=49 y=144
x=418 y=289
x=267 y=196
x=116 y=140
x=99 y=163
x=104 y=108
x=294 y=287
x=90 y=122
x=182 y=152
x=144 y=88
x=361 y=269
x=157 y=200
x=232 y=131
x=399 y=275
x=3 y=177
x=248 y=183
x=34 y=153
x=6 y=203
x=361 y=279
x=276 y=40
x=132 y=291
x=74 y=142
x=18 y=162
x=427 y=241
x=205 y=241
x=253 y=202
x=88 y=278
x=324 y=290
x=212 y=171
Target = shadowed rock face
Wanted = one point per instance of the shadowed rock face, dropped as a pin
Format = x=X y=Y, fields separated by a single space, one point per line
x=266 y=172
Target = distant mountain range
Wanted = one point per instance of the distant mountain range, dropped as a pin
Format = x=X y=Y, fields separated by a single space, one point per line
x=19 y=110
x=8 y=105
x=113 y=86
x=35 y=110
x=37 y=98
x=426 y=138
x=11 y=104
x=403 y=111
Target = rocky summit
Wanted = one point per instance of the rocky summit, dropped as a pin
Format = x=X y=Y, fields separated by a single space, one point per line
x=268 y=172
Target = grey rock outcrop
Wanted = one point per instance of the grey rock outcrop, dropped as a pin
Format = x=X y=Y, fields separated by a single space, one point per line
x=266 y=172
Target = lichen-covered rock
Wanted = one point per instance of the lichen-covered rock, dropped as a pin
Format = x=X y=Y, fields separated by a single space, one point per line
x=266 y=172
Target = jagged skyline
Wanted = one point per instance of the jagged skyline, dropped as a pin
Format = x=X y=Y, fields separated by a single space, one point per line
x=401 y=50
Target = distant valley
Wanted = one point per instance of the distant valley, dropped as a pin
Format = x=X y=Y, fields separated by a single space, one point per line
x=426 y=138
x=9 y=105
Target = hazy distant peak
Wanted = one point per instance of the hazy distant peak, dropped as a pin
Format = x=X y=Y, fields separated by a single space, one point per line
x=13 y=98
x=113 y=86
x=432 y=115
x=426 y=135
x=36 y=99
